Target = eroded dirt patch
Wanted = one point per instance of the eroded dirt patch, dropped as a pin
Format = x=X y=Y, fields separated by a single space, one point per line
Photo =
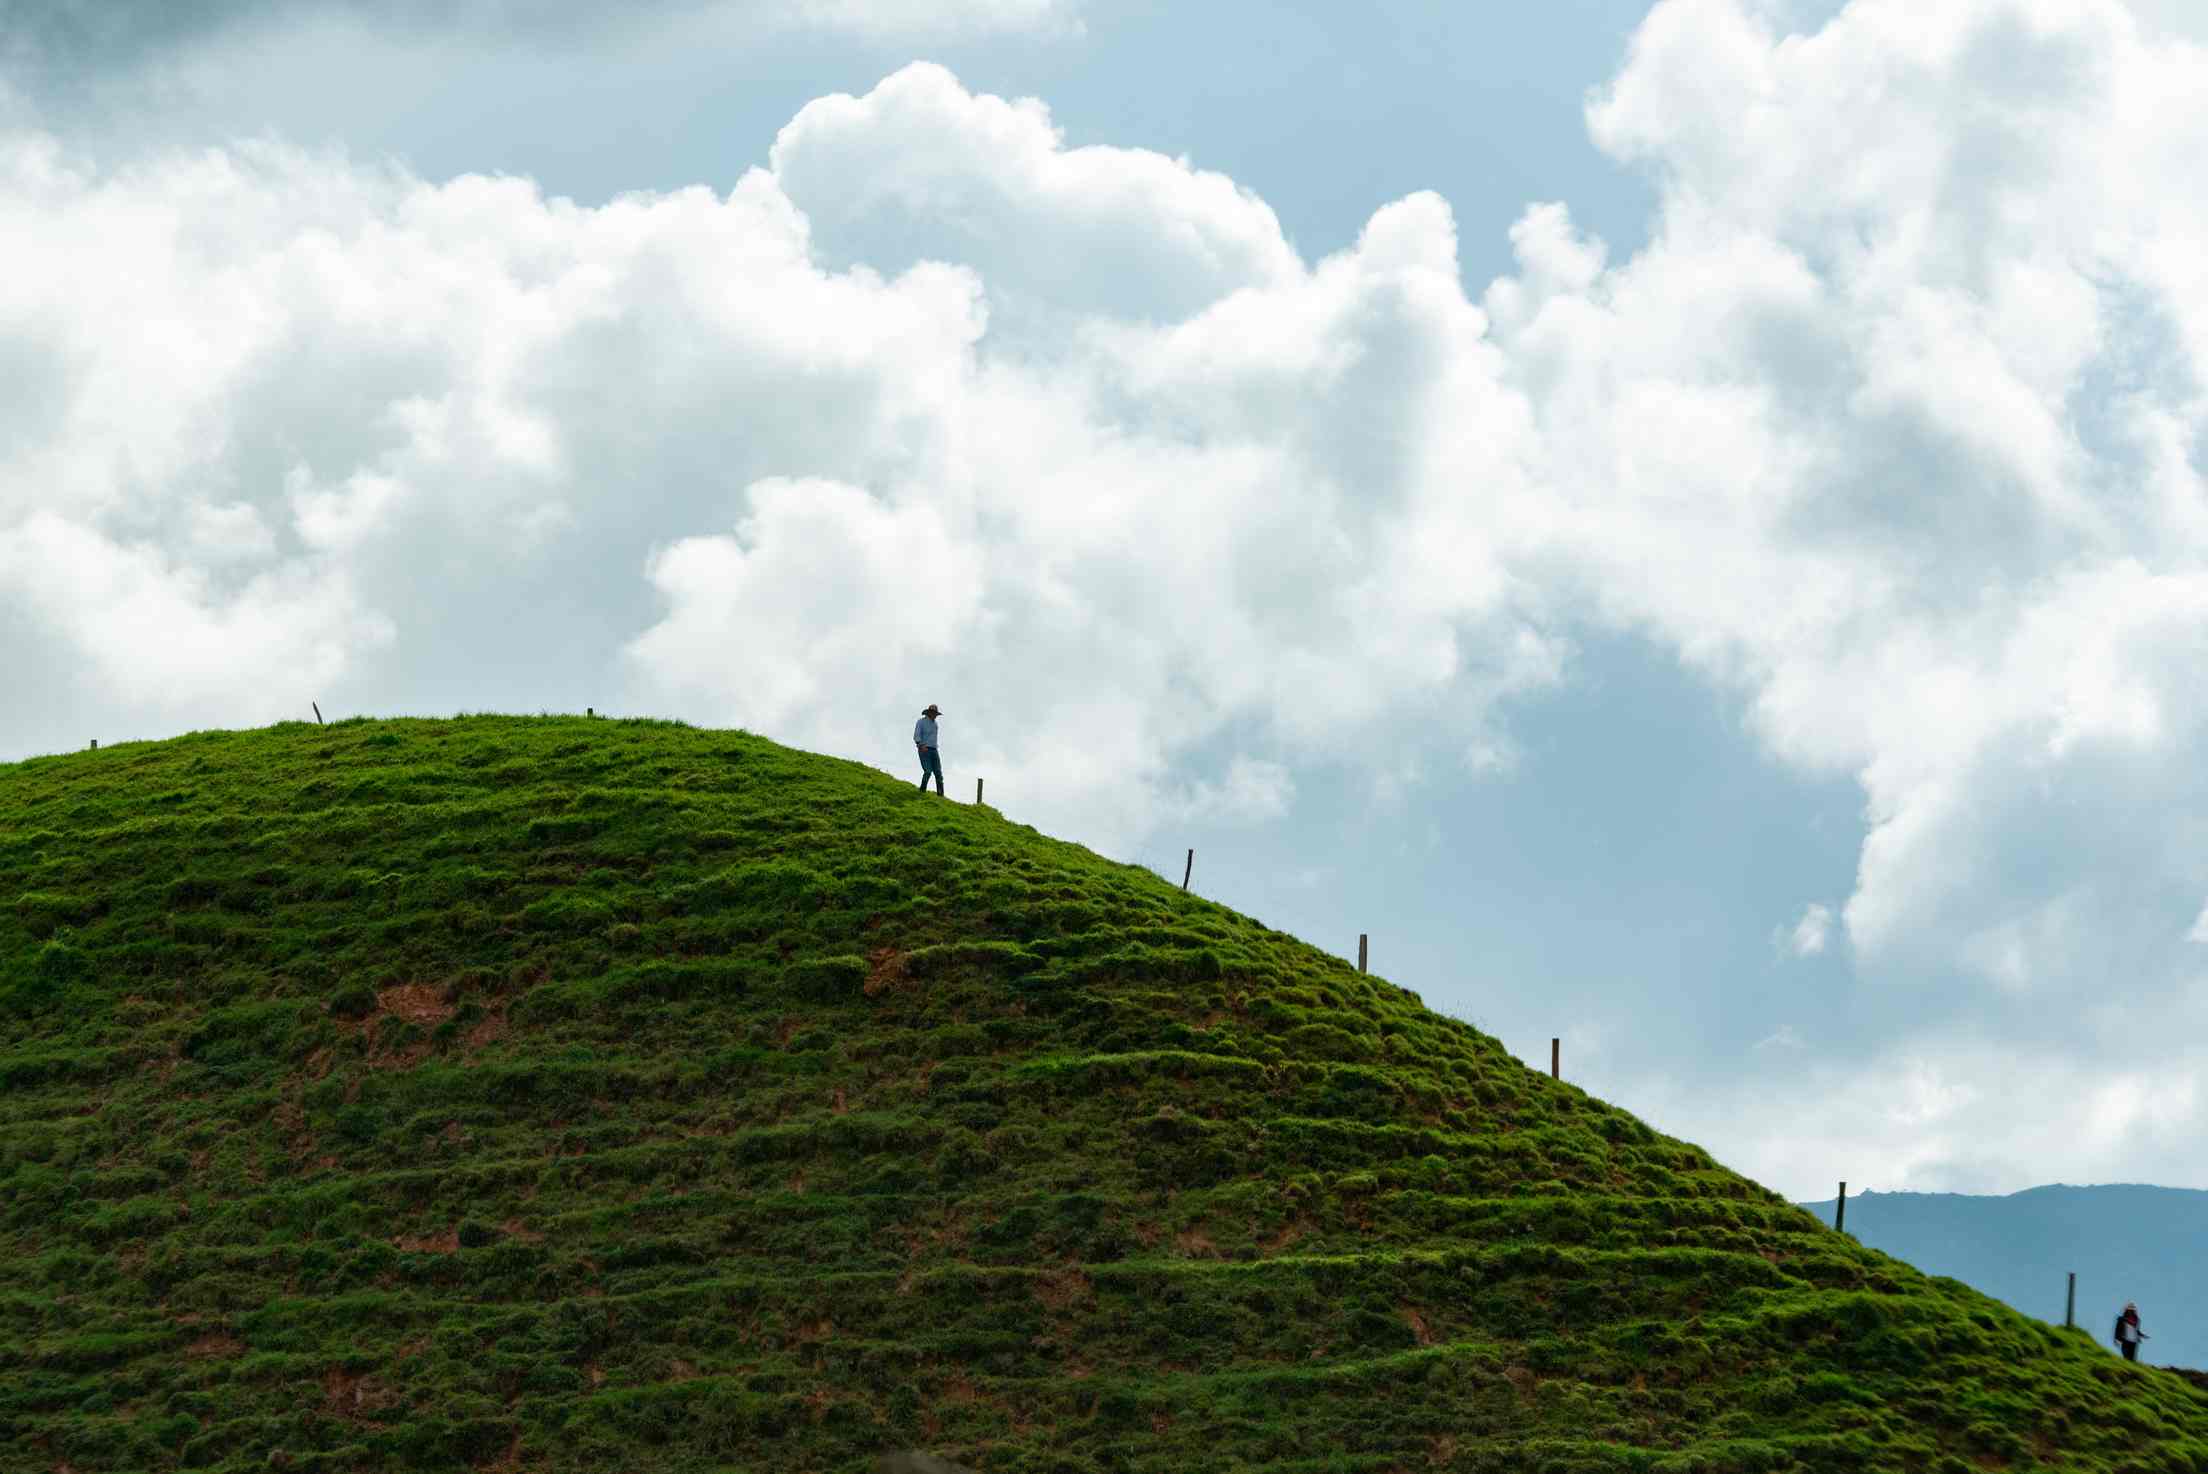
x=355 y=1394
x=488 y=1030
x=447 y=1242
x=885 y=969
x=1196 y=1244
x=1064 y=1288
x=417 y=1003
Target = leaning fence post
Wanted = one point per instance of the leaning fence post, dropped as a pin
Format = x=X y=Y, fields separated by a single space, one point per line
x=317 y=712
x=1188 y=869
x=1840 y=1210
x=1360 y=951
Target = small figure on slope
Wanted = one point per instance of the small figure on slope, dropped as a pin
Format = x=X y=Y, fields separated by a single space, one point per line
x=2128 y=1334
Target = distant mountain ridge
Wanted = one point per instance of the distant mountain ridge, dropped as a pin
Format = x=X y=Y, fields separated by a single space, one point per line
x=2125 y=1241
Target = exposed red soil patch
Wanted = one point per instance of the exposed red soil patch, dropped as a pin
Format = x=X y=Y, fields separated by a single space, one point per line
x=417 y=1003
x=1064 y=1288
x=1196 y=1244
x=354 y=1395
x=514 y=1228
x=488 y=1030
x=885 y=969
x=1419 y=1327
x=447 y=1242
x=215 y=1344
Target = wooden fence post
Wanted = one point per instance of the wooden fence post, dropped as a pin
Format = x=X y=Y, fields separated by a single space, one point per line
x=1556 y=1051
x=317 y=712
x=977 y=793
x=95 y=744
x=1188 y=869
x=1840 y=1210
x=1360 y=951
x=2070 y=1303
x=590 y=711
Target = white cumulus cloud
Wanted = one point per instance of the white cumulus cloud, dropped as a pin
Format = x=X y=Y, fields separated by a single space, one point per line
x=476 y=437
x=1808 y=935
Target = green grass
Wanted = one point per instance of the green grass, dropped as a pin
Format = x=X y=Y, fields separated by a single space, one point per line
x=583 y=1095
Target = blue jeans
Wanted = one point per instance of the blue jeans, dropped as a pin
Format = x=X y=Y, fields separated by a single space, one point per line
x=931 y=761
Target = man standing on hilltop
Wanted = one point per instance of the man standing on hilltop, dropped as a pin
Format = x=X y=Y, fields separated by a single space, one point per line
x=2128 y=1334
x=931 y=761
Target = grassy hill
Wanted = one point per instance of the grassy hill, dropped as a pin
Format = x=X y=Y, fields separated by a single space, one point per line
x=2125 y=1242
x=583 y=1095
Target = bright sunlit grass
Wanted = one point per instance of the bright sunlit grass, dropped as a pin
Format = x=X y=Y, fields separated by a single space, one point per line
x=590 y=1095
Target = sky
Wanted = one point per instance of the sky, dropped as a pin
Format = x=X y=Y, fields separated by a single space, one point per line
x=1685 y=523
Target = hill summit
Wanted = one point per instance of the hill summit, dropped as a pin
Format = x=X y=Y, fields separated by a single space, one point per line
x=560 y=1094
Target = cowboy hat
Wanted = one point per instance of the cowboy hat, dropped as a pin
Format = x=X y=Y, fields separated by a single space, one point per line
x=931 y=710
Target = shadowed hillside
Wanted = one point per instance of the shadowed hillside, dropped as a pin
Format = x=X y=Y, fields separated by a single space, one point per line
x=569 y=1095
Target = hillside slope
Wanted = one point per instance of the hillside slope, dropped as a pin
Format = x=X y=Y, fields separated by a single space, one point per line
x=2125 y=1242
x=568 y=1095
